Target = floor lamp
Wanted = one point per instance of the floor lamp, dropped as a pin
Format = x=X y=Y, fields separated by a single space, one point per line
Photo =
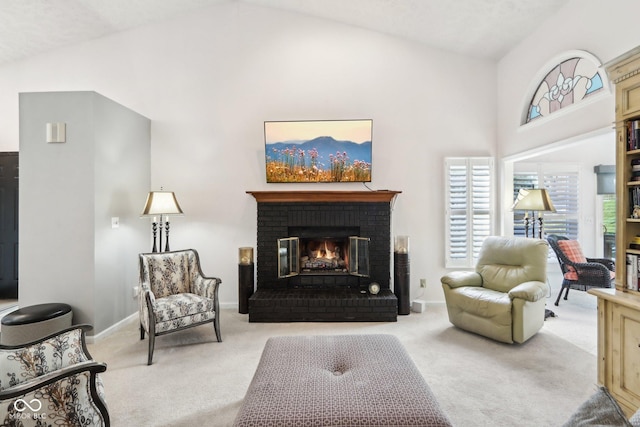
x=161 y=204
x=535 y=200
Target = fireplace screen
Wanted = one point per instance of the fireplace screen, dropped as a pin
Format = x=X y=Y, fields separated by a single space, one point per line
x=349 y=255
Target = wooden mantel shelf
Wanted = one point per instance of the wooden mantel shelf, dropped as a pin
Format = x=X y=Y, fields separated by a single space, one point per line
x=324 y=196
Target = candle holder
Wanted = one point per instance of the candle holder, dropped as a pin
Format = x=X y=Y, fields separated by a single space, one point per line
x=401 y=244
x=245 y=256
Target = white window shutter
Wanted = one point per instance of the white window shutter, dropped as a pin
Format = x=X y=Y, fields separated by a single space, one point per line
x=562 y=184
x=469 y=208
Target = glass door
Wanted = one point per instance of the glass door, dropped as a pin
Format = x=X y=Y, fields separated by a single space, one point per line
x=359 y=256
x=288 y=257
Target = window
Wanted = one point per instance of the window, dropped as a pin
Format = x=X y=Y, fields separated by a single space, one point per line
x=469 y=208
x=568 y=83
x=609 y=225
x=561 y=183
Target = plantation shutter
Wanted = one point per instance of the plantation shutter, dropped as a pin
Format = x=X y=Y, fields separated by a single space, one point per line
x=563 y=190
x=561 y=182
x=469 y=208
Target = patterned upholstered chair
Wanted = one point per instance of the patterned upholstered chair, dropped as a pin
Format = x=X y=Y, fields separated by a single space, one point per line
x=52 y=381
x=579 y=272
x=175 y=295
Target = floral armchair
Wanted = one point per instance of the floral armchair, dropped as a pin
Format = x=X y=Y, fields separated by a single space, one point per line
x=175 y=295
x=52 y=381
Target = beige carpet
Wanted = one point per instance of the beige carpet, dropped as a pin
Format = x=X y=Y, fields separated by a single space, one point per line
x=7 y=306
x=197 y=381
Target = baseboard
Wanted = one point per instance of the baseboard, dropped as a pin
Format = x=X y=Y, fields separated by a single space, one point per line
x=92 y=339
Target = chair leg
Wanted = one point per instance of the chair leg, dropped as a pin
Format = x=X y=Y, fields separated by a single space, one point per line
x=152 y=343
x=141 y=332
x=216 y=326
x=560 y=294
x=566 y=294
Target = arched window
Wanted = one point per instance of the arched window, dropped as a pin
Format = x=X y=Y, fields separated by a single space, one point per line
x=568 y=83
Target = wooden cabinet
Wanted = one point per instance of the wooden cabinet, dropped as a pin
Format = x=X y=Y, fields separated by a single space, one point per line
x=619 y=346
x=619 y=308
x=624 y=72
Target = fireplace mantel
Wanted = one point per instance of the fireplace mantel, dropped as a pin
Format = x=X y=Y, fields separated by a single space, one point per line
x=323 y=196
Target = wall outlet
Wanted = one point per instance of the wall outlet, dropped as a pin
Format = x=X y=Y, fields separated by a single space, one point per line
x=423 y=283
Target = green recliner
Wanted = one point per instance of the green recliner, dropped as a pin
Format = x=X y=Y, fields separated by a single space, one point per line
x=504 y=298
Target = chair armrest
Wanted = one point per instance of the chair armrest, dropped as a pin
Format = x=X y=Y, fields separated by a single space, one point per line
x=51 y=377
x=457 y=279
x=60 y=397
x=593 y=274
x=148 y=296
x=529 y=291
x=207 y=286
x=54 y=352
x=609 y=263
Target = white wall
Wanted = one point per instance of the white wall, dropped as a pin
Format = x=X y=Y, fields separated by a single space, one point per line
x=581 y=25
x=69 y=192
x=584 y=25
x=208 y=81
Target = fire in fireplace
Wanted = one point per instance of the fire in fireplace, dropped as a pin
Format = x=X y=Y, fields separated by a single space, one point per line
x=327 y=255
x=330 y=255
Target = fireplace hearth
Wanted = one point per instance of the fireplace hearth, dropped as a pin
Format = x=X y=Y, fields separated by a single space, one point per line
x=317 y=253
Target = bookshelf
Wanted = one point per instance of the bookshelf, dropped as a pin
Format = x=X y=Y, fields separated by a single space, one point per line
x=624 y=72
x=619 y=308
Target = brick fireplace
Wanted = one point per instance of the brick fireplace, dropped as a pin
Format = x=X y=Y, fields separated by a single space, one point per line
x=317 y=253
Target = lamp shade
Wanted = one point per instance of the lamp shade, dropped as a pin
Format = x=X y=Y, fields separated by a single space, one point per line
x=536 y=199
x=522 y=193
x=161 y=203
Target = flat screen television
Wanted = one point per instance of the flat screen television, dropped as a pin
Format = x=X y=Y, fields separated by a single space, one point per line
x=318 y=150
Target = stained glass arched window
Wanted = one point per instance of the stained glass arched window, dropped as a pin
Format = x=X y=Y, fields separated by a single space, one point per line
x=568 y=83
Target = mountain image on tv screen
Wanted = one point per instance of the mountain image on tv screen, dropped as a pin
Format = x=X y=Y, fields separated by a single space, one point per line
x=318 y=151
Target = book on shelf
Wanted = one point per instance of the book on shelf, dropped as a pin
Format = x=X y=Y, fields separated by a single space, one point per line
x=634 y=200
x=633 y=135
x=632 y=271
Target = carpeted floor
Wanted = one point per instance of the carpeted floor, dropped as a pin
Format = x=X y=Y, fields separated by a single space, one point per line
x=478 y=382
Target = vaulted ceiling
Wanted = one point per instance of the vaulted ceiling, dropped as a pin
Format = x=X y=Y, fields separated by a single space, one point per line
x=480 y=28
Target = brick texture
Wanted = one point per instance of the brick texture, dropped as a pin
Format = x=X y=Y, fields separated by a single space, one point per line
x=322 y=297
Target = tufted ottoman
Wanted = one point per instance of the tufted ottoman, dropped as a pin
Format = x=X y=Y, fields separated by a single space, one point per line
x=340 y=380
x=34 y=322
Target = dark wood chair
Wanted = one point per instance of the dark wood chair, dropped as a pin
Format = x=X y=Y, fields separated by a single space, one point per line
x=579 y=272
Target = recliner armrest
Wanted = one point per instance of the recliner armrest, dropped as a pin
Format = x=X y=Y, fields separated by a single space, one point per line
x=457 y=279
x=529 y=291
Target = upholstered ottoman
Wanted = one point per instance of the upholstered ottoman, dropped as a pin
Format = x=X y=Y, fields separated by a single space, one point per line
x=343 y=380
x=34 y=322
